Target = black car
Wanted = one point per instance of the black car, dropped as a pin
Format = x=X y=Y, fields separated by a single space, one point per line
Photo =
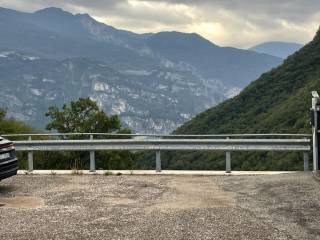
x=8 y=159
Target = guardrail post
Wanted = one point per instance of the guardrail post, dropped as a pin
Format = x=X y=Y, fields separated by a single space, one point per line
x=30 y=158
x=158 y=161
x=306 y=161
x=228 y=161
x=92 y=159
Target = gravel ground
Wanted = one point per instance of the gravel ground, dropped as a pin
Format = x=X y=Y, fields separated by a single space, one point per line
x=285 y=206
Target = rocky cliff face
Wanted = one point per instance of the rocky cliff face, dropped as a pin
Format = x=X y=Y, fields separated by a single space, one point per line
x=155 y=100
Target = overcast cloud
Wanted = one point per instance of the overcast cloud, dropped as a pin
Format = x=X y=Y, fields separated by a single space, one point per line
x=240 y=23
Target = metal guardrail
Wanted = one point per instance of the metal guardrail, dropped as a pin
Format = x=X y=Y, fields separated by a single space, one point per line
x=161 y=135
x=157 y=143
x=166 y=144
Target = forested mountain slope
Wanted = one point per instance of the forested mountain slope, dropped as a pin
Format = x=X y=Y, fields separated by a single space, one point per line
x=277 y=102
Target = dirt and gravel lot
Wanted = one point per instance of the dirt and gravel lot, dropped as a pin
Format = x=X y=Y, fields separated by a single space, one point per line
x=285 y=206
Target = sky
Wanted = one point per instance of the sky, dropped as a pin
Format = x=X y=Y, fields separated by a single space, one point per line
x=238 y=23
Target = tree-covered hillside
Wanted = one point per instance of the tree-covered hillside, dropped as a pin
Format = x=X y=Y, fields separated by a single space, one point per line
x=277 y=102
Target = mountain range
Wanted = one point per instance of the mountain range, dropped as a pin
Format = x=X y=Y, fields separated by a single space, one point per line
x=154 y=81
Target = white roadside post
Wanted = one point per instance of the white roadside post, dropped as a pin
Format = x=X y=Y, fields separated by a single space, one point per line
x=30 y=158
x=92 y=158
x=315 y=108
x=158 y=161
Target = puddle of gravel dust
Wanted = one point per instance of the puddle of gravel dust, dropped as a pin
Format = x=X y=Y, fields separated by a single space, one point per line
x=186 y=193
x=21 y=202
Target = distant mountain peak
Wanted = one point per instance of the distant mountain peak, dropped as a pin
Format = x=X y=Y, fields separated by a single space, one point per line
x=53 y=11
x=50 y=9
x=84 y=15
x=277 y=48
x=175 y=37
x=182 y=34
x=177 y=33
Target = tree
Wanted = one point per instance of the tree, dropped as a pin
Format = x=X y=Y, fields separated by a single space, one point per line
x=83 y=116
